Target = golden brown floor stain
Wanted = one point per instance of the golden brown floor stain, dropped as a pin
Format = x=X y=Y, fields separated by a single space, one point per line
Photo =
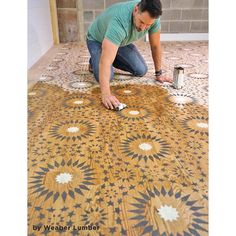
x=140 y=170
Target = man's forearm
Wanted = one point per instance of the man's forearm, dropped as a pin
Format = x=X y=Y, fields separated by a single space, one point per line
x=156 y=55
x=104 y=76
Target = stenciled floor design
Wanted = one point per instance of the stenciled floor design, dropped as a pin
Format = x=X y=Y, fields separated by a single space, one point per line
x=139 y=171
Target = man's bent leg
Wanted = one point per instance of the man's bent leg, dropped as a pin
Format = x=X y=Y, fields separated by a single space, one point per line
x=129 y=59
x=95 y=50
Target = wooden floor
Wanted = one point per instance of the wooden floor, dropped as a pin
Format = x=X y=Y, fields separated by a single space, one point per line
x=139 y=171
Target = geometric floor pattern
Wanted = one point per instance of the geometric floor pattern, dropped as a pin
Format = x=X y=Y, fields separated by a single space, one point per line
x=139 y=171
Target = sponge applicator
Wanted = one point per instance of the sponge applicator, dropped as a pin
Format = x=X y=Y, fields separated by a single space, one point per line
x=120 y=107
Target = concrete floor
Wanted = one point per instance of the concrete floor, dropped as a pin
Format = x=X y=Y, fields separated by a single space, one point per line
x=38 y=68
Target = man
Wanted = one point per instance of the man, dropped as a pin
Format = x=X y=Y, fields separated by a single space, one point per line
x=110 y=37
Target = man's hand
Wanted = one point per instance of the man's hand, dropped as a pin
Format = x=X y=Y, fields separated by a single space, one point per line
x=163 y=78
x=110 y=101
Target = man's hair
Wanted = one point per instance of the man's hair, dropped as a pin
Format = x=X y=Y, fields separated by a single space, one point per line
x=153 y=7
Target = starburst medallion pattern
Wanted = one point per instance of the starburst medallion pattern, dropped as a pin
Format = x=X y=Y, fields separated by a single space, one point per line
x=62 y=180
x=72 y=130
x=157 y=208
x=145 y=147
x=196 y=125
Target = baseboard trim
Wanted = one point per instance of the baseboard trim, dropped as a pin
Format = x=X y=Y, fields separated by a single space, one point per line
x=183 y=37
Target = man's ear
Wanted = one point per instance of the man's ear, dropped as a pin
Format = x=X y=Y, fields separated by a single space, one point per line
x=136 y=10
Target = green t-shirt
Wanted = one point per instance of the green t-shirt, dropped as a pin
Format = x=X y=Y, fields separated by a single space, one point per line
x=116 y=25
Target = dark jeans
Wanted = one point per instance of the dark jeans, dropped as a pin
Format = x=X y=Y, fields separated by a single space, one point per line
x=127 y=59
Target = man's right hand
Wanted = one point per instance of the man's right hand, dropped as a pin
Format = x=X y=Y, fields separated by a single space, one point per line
x=110 y=101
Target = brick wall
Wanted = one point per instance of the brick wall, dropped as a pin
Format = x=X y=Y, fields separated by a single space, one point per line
x=179 y=16
x=185 y=16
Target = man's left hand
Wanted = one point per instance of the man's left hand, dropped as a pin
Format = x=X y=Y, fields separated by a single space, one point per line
x=163 y=78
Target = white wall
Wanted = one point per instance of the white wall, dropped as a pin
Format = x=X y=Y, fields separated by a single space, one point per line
x=40 y=37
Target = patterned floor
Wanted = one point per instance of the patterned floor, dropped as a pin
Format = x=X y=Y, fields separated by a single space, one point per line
x=140 y=171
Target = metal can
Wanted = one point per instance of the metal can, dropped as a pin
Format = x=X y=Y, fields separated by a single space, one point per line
x=178 y=77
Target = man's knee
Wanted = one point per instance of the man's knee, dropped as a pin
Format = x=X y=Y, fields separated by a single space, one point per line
x=141 y=70
x=96 y=75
